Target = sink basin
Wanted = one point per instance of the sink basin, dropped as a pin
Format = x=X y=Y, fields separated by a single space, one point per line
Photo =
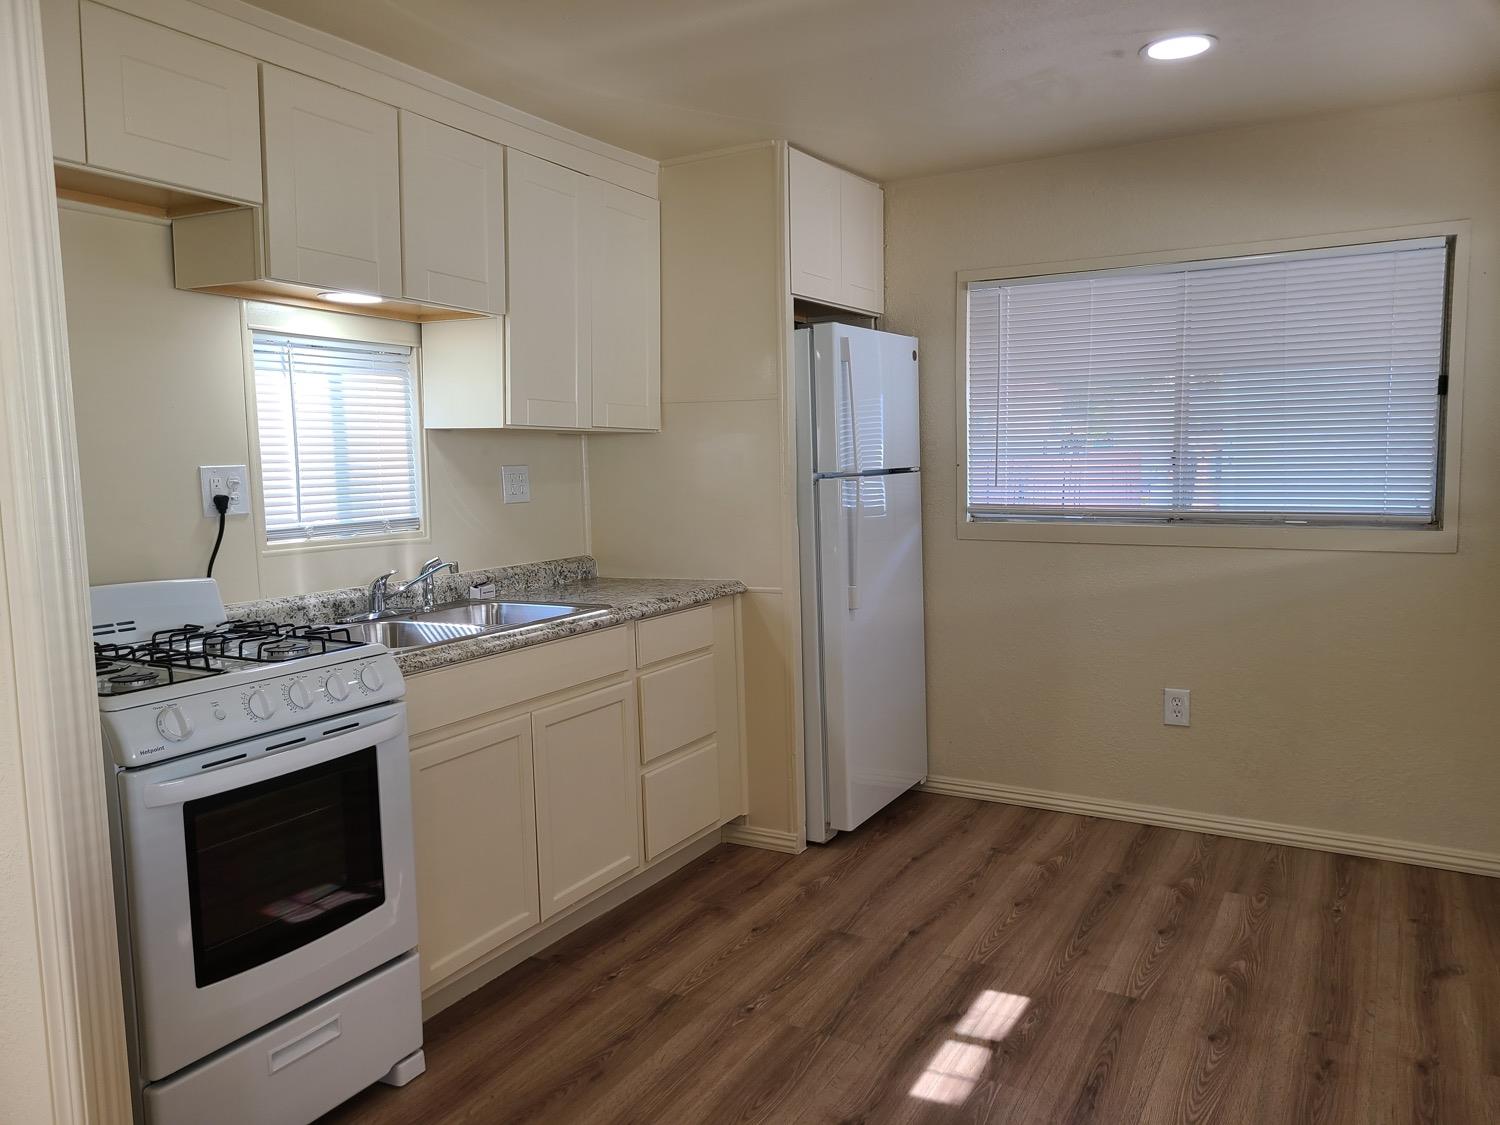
x=397 y=634
x=461 y=620
x=506 y=615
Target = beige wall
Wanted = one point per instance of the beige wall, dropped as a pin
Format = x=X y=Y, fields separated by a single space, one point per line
x=159 y=388
x=708 y=496
x=1344 y=692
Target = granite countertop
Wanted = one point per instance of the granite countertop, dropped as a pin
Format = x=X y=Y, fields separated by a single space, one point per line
x=560 y=580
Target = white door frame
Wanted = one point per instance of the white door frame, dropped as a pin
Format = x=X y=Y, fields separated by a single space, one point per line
x=49 y=725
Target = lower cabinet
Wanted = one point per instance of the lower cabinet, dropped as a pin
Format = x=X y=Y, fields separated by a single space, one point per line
x=588 y=819
x=544 y=776
x=475 y=831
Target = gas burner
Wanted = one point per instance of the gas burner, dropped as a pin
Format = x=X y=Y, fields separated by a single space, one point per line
x=288 y=649
x=128 y=679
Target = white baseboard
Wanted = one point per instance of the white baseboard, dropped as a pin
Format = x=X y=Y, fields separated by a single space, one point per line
x=1402 y=851
x=767 y=838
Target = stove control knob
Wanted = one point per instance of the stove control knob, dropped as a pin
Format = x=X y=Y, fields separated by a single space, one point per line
x=370 y=678
x=336 y=688
x=259 y=704
x=173 y=724
x=298 y=696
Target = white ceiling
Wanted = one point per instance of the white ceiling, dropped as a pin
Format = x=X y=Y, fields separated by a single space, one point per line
x=896 y=88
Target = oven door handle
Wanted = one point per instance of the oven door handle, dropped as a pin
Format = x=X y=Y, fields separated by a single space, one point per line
x=179 y=791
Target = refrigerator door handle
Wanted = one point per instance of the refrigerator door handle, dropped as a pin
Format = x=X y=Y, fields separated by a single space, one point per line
x=851 y=516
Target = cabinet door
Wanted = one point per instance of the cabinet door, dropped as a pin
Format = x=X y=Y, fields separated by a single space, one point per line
x=475 y=827
x=333 y=195
x=588 y=818
x=862 y=243
x=452 y=216
x=63 y=59
x=624 y=235
x=168 y=107
x=817 y=272
x=547 y=365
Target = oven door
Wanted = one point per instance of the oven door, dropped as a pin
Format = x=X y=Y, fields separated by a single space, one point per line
x=262 y=876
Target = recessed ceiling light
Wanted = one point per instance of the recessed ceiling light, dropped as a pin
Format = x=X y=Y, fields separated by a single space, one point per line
x=1177 y=47
x=348 y=297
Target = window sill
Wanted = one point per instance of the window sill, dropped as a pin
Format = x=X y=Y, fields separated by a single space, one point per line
x=353 y=542
x=1423 y=542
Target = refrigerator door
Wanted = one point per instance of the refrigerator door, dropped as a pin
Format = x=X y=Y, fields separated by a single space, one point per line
x=864 y=390
x=870 y=625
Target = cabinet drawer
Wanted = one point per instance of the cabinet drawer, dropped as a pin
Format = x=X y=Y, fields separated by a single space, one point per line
x=463 y=691
x=659 y=638
x=677 y=706
x=682 y=798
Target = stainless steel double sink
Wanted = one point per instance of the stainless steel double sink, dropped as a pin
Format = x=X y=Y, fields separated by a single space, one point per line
x=460 y=621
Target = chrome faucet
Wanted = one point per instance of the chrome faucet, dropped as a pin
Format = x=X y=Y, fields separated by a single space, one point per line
x=426 y=578
x=379 y=592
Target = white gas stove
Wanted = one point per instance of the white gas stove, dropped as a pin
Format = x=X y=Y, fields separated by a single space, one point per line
x=260 y=816
x=168 y=687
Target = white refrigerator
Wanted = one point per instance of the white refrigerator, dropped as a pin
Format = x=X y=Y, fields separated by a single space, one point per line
x=859 y=506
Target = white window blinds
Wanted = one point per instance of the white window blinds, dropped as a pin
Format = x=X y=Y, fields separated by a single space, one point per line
x=1299 y=387
x=338 y=437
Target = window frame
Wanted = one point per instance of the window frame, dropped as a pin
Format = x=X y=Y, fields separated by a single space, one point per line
x=292 y=320
x=1439 y=539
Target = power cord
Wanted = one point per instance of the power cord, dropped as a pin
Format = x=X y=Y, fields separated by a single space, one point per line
x=221 y=505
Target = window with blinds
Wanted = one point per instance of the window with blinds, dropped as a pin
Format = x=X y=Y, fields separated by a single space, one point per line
x=1290 y=388
x=339 y=444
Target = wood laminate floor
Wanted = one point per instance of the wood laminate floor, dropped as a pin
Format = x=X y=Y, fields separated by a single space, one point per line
x=958 y=961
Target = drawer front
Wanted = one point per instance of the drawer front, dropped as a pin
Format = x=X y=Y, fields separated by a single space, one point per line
x=682 y=799
x=661 y=638
x=678 y=706
x=476 y=687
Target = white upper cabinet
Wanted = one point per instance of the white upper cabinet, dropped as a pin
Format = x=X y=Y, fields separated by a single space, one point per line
x=452 y=216
x=547 y=372
x=623 y=231
x=837 y=235
x=816 y=230
x=862 y=243
x=333 y=196
x=63 y=59
x=167 y=107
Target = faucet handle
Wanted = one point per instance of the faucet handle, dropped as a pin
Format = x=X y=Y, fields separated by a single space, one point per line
x=380 y=580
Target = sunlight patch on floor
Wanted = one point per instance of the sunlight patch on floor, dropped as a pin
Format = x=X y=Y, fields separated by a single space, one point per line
x=955 y=1068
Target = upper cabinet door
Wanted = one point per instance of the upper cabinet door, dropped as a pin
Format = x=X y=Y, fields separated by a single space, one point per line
x=862 y=243
x=624 y=236
x=452 y=216
x=547 y=368
x=63 y=58
x=168 y=107
x=333 y=195
x=817 y=271
x=837 y=235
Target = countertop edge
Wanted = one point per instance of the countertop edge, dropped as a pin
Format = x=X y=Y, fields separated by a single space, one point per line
x=418 y=661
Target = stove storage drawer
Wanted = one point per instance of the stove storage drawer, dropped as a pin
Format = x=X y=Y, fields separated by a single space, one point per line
x=302 y=1066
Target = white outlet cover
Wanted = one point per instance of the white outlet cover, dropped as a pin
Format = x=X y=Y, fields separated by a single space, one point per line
x=515 y=484
x=1174 y=707
x=230 y=480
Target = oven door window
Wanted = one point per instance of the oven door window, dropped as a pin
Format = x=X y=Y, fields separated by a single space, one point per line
x=276 y=865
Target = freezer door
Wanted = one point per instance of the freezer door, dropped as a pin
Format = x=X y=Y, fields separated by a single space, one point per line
x=864 y=400
x=874 y=667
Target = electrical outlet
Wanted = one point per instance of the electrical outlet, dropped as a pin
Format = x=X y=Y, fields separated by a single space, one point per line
x=515 y=484
x=1175 y=706
x=225 y=480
